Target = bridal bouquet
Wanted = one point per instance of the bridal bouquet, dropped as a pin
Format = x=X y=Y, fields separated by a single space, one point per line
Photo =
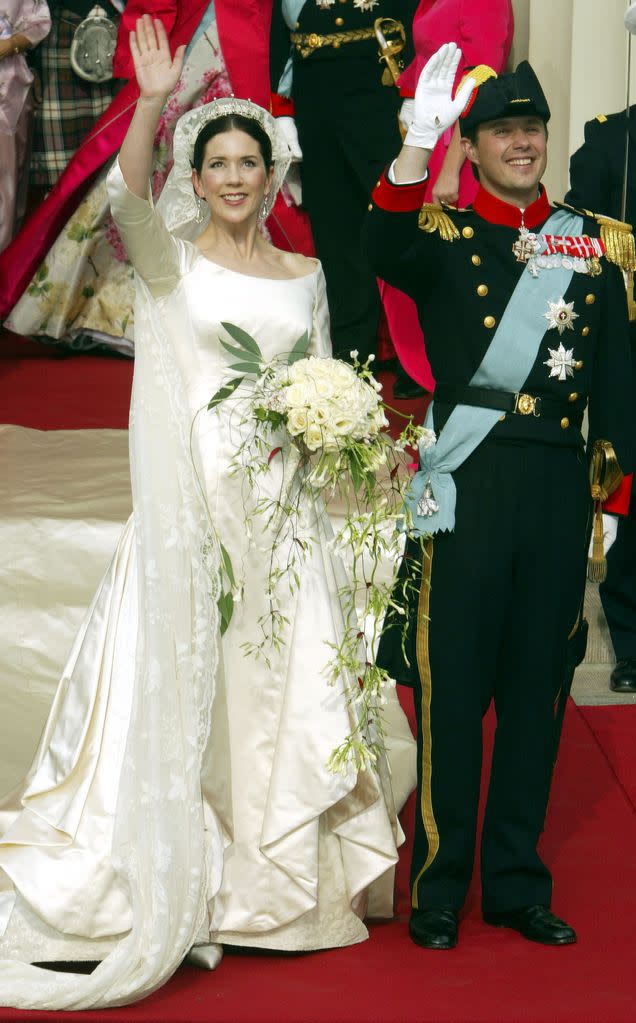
x=327 y=422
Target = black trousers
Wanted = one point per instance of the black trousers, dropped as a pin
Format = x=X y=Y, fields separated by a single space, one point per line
x=348 y=132
x=618 y=592
x=498 y=611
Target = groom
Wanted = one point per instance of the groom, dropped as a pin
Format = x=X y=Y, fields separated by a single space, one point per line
x=526 y=323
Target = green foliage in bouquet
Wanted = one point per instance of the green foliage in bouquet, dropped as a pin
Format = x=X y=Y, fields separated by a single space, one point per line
x=326 y=421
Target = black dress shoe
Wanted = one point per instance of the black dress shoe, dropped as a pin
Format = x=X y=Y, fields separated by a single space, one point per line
x=623 y=678
x=536 y=923
x=434 y=928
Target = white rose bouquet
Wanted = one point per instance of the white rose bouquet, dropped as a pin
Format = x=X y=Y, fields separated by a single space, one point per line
x=338 y=443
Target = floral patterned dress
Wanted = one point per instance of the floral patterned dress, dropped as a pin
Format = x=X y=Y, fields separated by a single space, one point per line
x=83 y=292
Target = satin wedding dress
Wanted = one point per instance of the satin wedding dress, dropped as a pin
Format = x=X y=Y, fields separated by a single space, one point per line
x=180 y=794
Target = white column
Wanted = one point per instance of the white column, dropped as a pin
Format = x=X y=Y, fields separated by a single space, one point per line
x=578 y=49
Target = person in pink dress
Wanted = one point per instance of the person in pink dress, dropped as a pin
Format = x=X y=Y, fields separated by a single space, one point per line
x=23 y=24
x=35 y=266
x=483 y=30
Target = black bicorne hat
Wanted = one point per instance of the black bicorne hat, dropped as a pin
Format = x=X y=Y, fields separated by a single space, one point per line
x=513 y=95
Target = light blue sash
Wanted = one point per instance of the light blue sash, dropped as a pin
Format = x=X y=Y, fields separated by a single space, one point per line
x=505 y=367
x=291 y=13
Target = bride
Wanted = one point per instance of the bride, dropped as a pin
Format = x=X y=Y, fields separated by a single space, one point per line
x=179 y=798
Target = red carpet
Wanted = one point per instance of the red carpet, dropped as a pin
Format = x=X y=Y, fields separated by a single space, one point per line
x=493 y=976
x=608 y=724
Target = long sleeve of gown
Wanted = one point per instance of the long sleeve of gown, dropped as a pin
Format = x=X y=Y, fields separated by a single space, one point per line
x=152 y=250
x=320 y=341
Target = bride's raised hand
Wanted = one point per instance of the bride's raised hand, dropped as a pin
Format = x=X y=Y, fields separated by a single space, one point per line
x=157 y=72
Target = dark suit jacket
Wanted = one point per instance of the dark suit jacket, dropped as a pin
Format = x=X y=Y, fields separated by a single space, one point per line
x=596 y=183
x=597 y=168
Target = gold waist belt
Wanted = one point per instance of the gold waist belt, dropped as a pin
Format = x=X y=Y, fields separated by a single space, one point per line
x=307 y=42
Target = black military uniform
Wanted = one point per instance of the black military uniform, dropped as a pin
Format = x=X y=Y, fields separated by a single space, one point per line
x=596 y=182
x=498 y=611
x=347 y=128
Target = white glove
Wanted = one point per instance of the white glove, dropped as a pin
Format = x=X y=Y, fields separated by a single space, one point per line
x=405 y=115
x=433 y=108
x=610 y=529
x=288 y=130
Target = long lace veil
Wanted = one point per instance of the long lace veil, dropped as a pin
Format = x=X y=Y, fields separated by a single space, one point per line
x=169 y=856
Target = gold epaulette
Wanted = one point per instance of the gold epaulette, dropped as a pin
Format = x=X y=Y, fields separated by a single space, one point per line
x=606 y=476
x=433 y=217
x=601 y=118
x=618 y=239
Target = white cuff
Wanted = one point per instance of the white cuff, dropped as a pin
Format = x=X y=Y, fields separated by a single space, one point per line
x=390 y=175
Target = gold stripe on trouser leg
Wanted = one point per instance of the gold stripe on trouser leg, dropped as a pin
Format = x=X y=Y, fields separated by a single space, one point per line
x=424 y=669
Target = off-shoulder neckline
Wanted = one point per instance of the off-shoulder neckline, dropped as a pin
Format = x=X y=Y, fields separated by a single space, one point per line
x=255 y=277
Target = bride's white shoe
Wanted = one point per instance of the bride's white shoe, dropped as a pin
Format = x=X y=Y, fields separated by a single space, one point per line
x=206 y=957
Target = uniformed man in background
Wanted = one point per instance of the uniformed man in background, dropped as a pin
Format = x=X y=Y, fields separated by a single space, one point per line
x=338 y=106
x=524 y=311
x=598 y=171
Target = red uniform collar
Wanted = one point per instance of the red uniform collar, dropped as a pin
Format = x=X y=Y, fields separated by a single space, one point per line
x=496 y=211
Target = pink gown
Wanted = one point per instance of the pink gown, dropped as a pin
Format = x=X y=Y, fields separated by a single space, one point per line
x=32 y=19
x=483 y=29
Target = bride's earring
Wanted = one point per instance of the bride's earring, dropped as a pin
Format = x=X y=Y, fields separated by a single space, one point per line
x=265 y=209
x=199 y=216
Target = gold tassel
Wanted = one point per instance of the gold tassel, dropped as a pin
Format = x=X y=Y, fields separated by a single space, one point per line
x=479 y=75
x=433 y=218
x=605 y=476
x=629 y=288
x=618 y=240
x=597 y=564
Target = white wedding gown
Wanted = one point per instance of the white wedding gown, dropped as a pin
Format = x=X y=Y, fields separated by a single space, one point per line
x=180 y=794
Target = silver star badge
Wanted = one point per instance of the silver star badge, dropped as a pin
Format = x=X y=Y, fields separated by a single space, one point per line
x=561 y=315
x=365 y=5
x=561 y=362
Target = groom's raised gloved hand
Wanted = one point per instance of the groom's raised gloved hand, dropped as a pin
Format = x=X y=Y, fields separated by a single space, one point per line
x=434 y=109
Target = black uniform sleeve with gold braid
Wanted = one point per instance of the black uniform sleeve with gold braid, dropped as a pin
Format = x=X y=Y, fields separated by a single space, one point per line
x=391 y=234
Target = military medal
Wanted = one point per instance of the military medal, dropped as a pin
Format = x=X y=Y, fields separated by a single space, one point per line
x=561 y=315
x=545 y=251
x=427 y=505
x=526 y=245
x=561 y=362
x=365 y=5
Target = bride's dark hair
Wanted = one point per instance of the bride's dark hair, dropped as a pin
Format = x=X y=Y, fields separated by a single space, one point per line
x=230 y=122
